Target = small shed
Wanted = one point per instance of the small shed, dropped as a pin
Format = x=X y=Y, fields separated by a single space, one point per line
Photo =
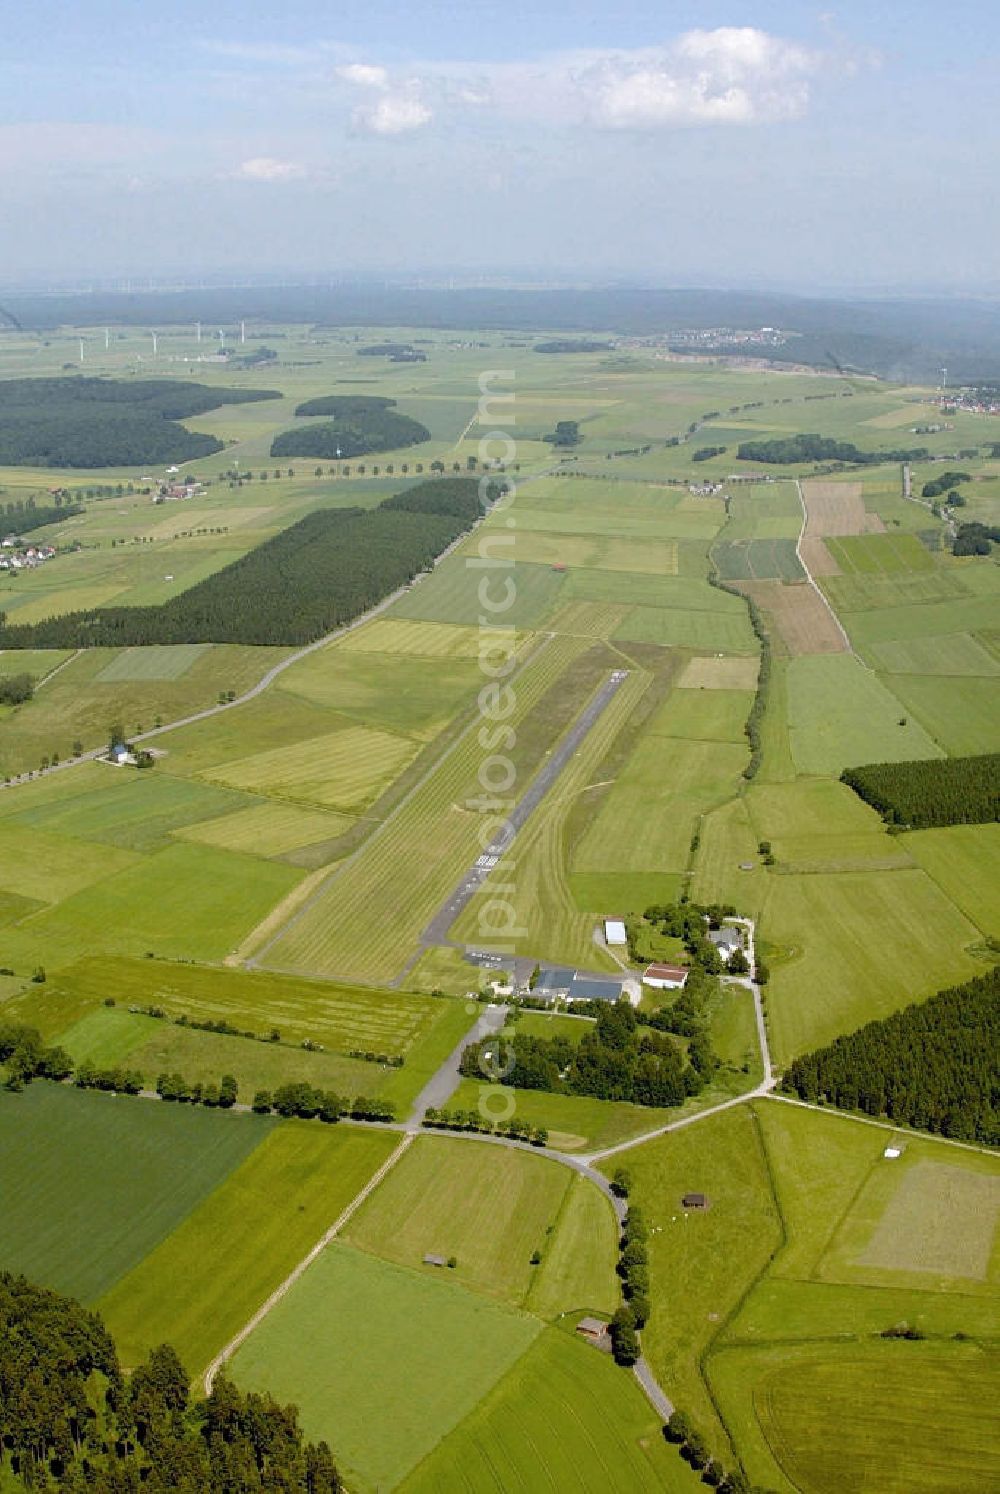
x=595 y=1331
x=119 y=753
x=694 y=1201
x=614 y=931
x=435 y=1260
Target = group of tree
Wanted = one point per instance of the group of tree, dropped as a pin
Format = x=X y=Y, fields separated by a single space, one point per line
x=176 y=1089
x=15 y=689
x=617 y=1060
x=358 y=424
x=317 y=575
x=396 y=352
x=788 y=450
x=931 y=1066
x=933 y=791
x=33 y=517
x=944 y=484
x=566 y=433
x=573 y=345
x=975 y=539
x=26 y=1056
x=84 y=422
x=706 y=453
x=690 y=922
x=71 y=1420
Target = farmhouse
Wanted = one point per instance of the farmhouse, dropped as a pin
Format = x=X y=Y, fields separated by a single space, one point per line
x=614 y=931
x=665 y=977
x=726 y=940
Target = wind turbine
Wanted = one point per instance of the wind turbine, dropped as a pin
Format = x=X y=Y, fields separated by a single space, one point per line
x=243 y=331
x=944 y=378
x=154 y=344
x=107 y=339
x=197 y=328
x=81 y=349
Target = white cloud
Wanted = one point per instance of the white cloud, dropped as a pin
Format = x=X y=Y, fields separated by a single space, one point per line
x=364 y=75
x=733 y=75
x=266 y=169
x=393 y=114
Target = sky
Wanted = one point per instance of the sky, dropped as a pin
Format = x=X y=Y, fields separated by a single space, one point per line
x=772 y=144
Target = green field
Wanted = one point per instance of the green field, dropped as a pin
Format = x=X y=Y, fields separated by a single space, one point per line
x=563 y=1418
x=92 y=1183
x=879 y=554
x=839 y=715
x=381 y=1361
x=906 y=1418
x=859 y=945
x=758 y=560
x=960 y=713
x=964 y=861
x=489 y=1206
x=189 y=901
x=201 y=1284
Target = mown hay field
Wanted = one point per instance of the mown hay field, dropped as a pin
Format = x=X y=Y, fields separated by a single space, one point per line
x=199 y=1286
x=382 y=1361
x=76 y=1223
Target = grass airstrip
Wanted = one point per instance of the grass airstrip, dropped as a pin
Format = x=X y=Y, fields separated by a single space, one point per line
x=317 y=830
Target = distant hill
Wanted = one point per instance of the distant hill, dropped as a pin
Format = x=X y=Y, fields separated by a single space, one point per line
x=896 y=338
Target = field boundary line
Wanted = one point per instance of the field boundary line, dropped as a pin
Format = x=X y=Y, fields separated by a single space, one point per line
x=282 y=1291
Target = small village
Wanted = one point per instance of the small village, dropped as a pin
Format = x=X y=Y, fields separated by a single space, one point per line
x=15 y=555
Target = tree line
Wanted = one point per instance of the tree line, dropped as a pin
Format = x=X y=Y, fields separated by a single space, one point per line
x=313 y=577
x=29 y=516
x=786 y=450
x=935 y=791
x=71 y=1420
x=931 y=1066
x=616 y=1061
x=84 y=422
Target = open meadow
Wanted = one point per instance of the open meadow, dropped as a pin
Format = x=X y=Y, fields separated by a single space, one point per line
x=289 y=871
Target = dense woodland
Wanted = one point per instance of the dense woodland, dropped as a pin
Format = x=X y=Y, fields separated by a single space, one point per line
x=935 y=791
x=787 y=450
x=932 y=1066
x=81 y=422
x=615 y=1061
x=311 y=578
x=360 y=424
x=71 y=1421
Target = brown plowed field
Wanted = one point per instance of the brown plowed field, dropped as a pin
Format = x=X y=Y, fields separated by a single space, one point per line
x=837 y=508
x=817 y=558
x=796 y=616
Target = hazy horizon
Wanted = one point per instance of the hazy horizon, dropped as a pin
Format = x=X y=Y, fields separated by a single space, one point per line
x=770 y=147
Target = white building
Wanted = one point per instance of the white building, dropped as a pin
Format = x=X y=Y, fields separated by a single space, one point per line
x=726 y=940
x=614 y=931
x=665 y=977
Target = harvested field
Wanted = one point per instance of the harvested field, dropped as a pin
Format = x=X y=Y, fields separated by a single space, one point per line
x=797 y=617
x=817 y=557
x=722 y=672
x=837 y=508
